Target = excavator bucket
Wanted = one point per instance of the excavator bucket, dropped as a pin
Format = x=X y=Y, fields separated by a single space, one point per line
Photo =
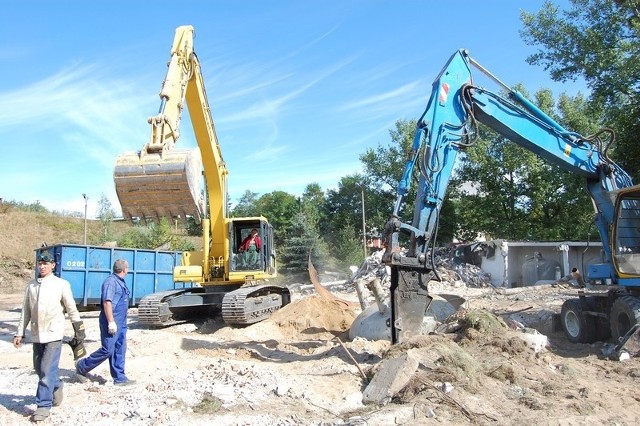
x=152 y=186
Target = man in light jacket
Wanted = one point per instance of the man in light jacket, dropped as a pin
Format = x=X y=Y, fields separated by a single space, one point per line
x=46 y=299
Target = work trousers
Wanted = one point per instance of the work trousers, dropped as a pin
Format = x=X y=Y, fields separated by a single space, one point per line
x=114 y=348
x=46 y=357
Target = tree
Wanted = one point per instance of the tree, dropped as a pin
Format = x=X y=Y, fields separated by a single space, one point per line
x=384 y=165
x=302 y=241
x=343 y=206
x=247 y=205
x=105 y=214
x=279 y=208
x=505 y=191
x=154 y=236
x=311 y=204
x=348 y=249
x=598 y=41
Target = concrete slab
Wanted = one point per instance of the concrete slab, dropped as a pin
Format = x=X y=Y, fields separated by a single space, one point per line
x=394 y=374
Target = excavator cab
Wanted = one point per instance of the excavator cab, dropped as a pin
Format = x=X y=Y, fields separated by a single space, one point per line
x=251 y=246
x=626 y=235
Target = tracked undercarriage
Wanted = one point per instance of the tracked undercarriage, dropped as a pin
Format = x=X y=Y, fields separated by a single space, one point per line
x=244 y=305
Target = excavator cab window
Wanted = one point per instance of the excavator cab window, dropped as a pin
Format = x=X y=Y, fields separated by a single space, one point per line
x=247 y=247
x=627 y=233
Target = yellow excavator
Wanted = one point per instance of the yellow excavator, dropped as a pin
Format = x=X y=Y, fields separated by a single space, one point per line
x=161 y=181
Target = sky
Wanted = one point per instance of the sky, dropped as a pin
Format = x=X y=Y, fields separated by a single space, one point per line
x=298 y=90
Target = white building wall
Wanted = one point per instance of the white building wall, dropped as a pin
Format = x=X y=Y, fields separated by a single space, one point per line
x=505 y=260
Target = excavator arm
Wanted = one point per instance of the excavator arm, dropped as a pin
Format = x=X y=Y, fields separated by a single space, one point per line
x=447 y=127
x=159 y=180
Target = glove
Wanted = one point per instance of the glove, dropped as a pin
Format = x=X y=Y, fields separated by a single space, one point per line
x=17 y=341
x=77 y=346
x=113 y=328
x=78 y=328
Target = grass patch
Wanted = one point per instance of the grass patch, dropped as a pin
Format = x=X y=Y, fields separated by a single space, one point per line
x=210 y=404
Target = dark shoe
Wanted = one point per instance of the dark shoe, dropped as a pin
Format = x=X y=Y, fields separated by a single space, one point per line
x=40 y=414
x=127 y=382
x=58 y=395
x=81 y=377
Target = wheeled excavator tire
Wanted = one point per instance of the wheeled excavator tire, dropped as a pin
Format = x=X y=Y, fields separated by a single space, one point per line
x=578 y=327
x=625 y=313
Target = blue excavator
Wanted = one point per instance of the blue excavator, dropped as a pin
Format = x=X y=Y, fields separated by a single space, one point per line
x=610 y=305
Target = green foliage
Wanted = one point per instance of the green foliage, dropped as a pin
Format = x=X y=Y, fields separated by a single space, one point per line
x=28 y=207
x=344 y=204
x=303 y=241
x=279 y=208
x=247 y=205
x=383 y=169
x=384 y=165
x=154 y=236
x=193 y=228
x=598 y=41
x=349 y=249
x=311 y=205
x=105 y=215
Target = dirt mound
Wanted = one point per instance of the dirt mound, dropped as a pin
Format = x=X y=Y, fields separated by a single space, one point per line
x=14 y=274
x=309 y=318
x=314 y=317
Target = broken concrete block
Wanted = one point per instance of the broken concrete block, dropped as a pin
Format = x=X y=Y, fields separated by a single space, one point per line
x=534 y=339
x=393 y=376
x=446 y=387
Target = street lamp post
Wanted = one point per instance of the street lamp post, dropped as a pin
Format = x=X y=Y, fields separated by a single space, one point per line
x=85 y=217
x=364 y=227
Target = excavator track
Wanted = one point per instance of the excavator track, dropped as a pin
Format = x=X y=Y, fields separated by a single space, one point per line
x=154 y=311
x=248 y=305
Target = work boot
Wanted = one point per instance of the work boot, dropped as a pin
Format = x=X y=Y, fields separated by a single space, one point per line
x=127 y=382
x=40 y=414
x=80 y=376
x=58 y=395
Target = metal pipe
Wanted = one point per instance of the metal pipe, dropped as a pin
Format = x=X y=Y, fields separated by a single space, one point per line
x=361 y=296
x=376 y=288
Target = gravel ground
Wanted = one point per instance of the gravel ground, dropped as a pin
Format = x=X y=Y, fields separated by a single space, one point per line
x=293 y=370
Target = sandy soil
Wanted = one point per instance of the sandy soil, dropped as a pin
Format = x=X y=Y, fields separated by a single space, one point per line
x=299 y=368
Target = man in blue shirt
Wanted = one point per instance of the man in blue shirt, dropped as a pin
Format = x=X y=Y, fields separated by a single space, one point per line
x=113 y=327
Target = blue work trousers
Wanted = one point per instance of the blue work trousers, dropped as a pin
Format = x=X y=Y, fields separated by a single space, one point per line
x=46 y=357
x=114 y=348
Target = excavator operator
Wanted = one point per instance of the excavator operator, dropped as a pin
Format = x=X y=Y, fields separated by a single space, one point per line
x=250 y=249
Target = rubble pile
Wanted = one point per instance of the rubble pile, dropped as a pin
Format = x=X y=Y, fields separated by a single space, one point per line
x=472 y=276
x=450 y=269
